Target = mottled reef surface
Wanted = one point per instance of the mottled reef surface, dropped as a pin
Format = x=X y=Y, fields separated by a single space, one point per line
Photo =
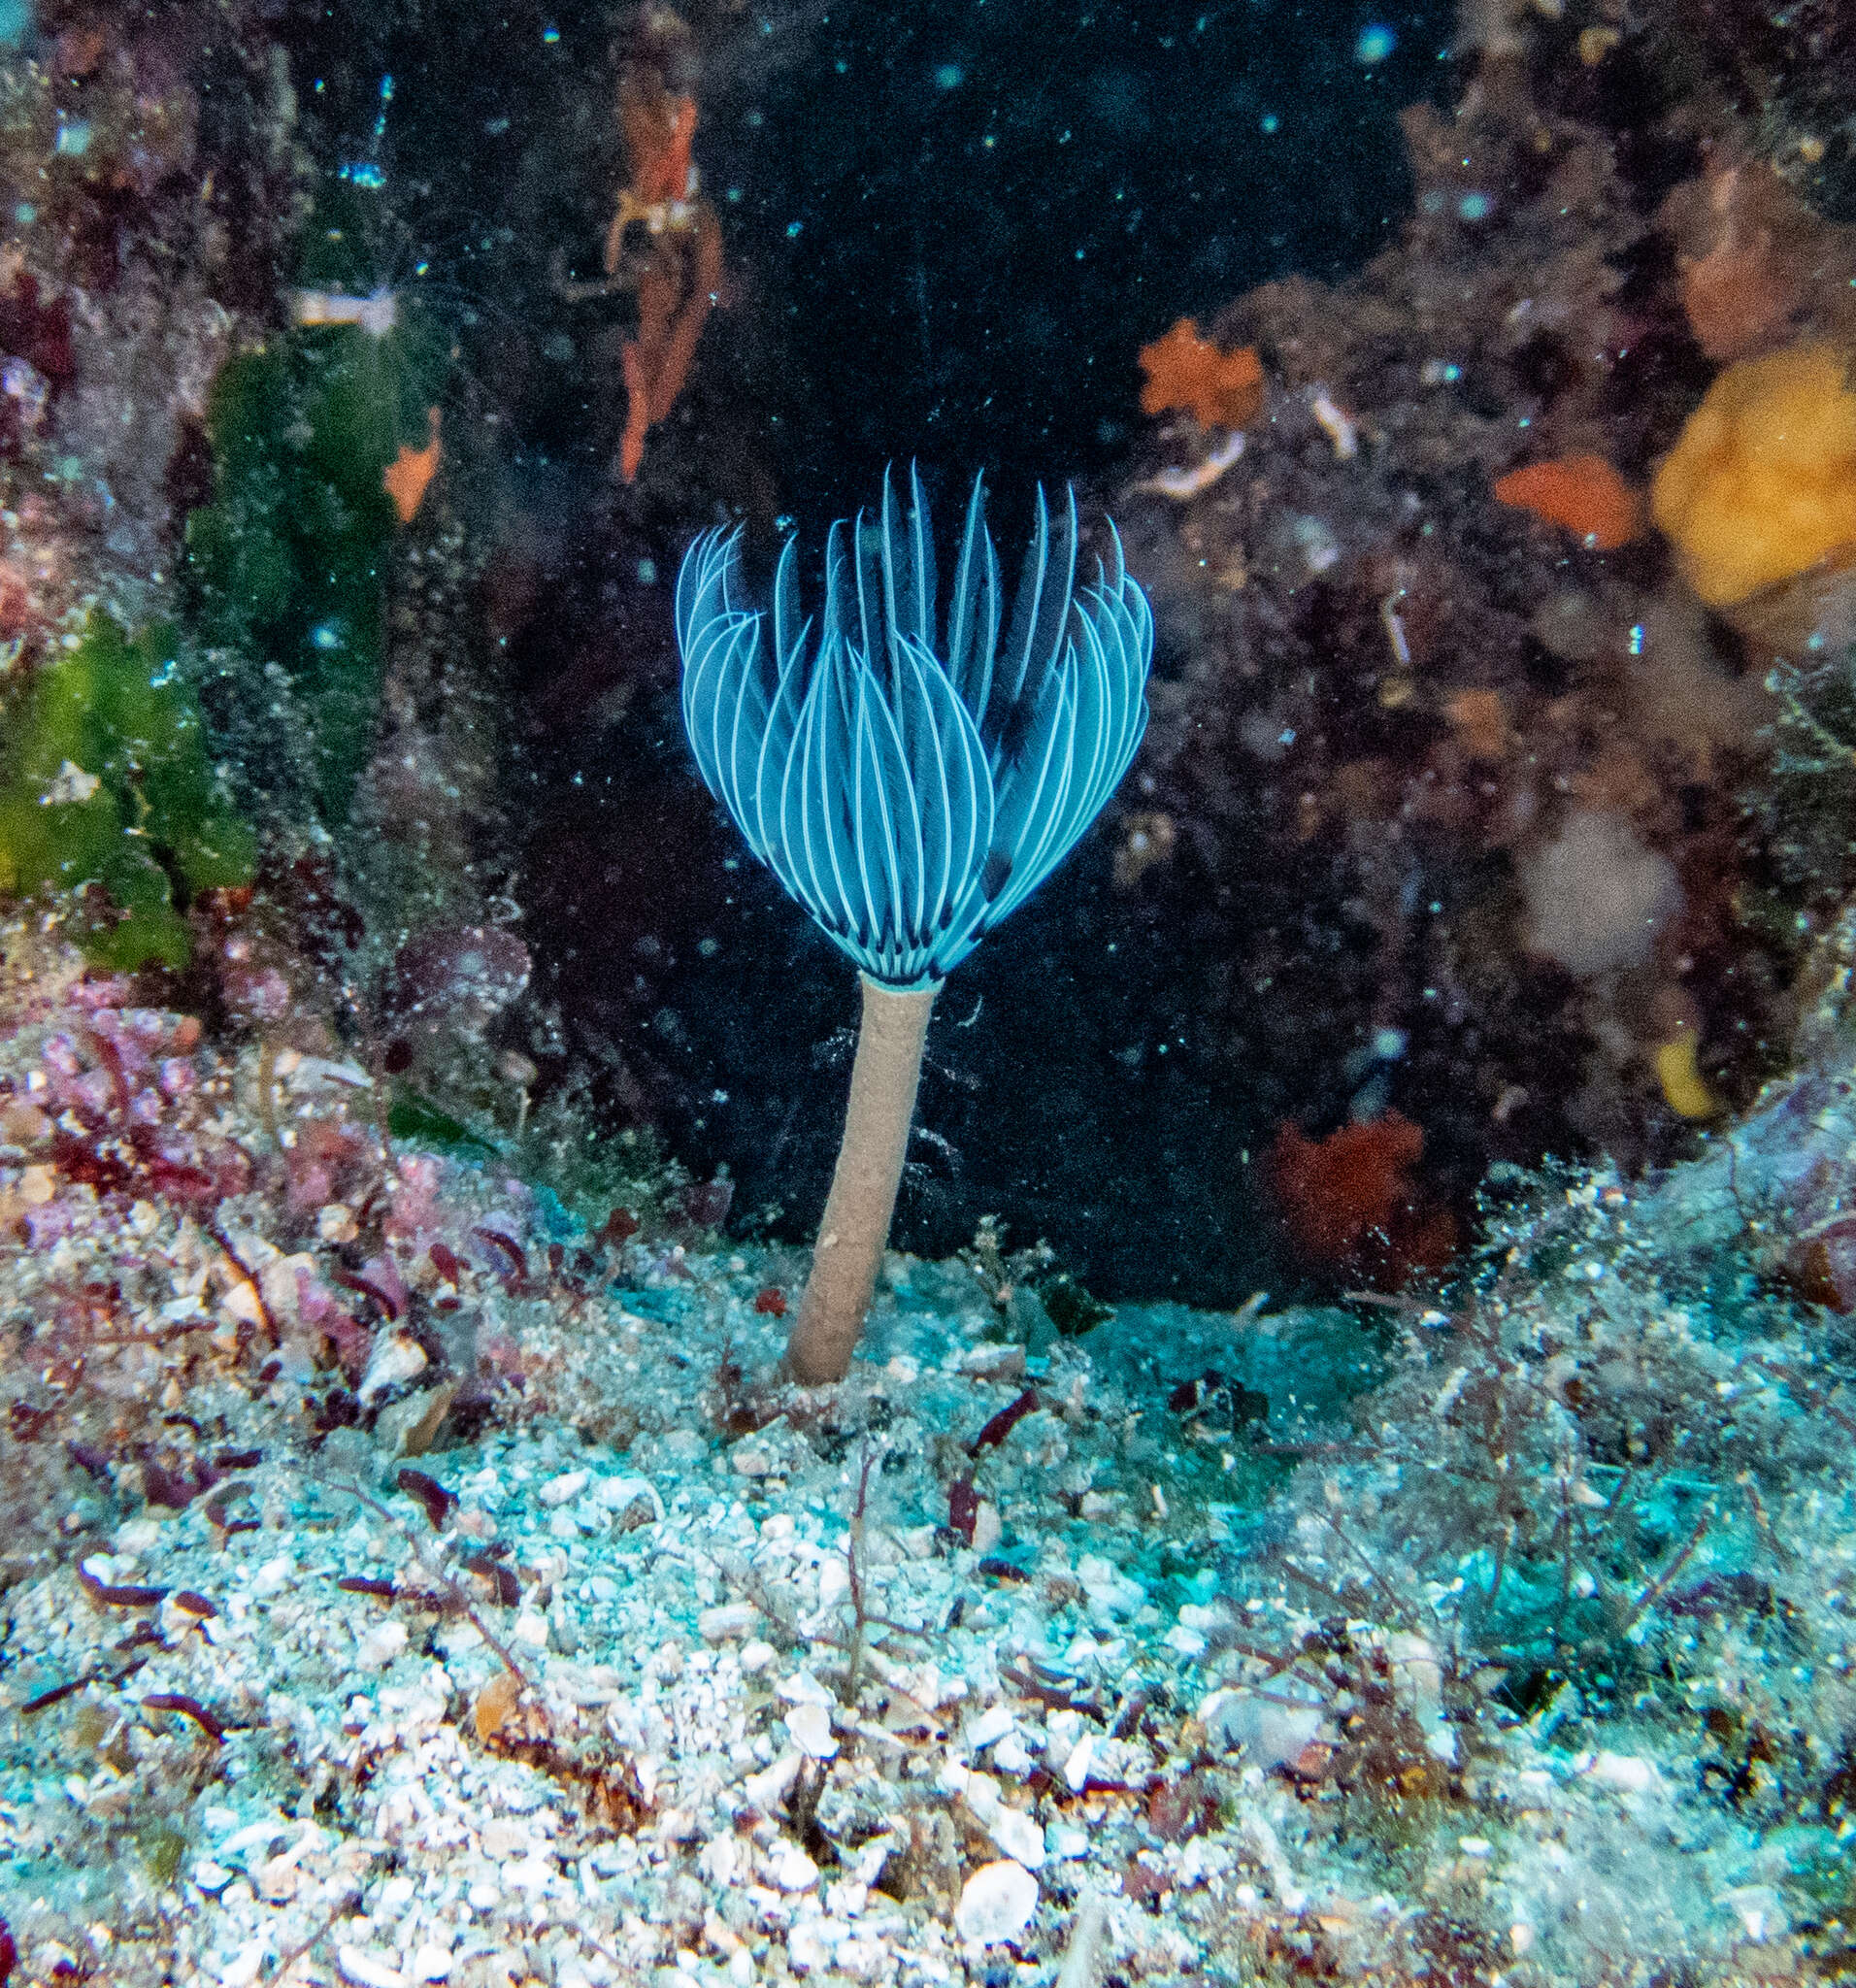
x=413 y=1105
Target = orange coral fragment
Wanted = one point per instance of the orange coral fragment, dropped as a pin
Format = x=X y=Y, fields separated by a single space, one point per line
x=658 y=128
x=661 y=191
x=679 y=269
x=408 y=477
x=1219 y=389
x=1583 y=493
x=669 y=320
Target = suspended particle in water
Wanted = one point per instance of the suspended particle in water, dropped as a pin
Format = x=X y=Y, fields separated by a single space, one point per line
x=1375 y=42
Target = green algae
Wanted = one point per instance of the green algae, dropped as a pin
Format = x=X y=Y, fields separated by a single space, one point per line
x=106 y=782
x=418 y=1120
x=288 y=563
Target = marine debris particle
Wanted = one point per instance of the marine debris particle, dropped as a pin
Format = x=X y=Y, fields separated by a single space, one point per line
x=1191 y=373
x=1480 y=719
x=1183 y=484
x=1583 y=493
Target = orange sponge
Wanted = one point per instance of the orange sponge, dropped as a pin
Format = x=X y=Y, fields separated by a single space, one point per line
x=1221 y=389
x=1583 y=493
x=1762 y=483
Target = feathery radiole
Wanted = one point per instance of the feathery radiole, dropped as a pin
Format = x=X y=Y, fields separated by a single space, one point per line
x=909 y=793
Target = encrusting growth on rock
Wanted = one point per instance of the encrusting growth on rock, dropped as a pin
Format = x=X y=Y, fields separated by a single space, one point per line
x=1761 y=484
x=1581 y=493
x=1187 y=371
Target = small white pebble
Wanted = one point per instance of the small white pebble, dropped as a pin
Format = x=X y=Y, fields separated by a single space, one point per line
x=994 y=1360
x=273 y=1577
x=431 y=1962
x=793 y=1870
x=809 y=1947
x=534 y=1872
x=992 y=1724
x=769 y=1785
x=335 y=1222
x=396 y=1359
x=1759 y=1910
x=727 y=1621
x=563 y=1489
x=1011 y=1756
x=810 y=1728
x=719 y=1860
x=755 y=1656
x=367 y=1969
x=240 y=1305
x=1628 y=1772
x=1016 y=1835
x=616 y=1493
x=996 y=1902
x=531 y=1629
x=381 y=1645
x=1076 y=1769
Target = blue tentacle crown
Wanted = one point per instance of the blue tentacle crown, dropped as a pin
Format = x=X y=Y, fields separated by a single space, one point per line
x=910 y=792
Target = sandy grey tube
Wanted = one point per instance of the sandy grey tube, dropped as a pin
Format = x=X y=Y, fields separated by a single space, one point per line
x=855 y=1229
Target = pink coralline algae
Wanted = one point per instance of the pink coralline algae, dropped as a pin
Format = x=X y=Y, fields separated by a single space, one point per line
x=326 y=1161
x=119 y=1102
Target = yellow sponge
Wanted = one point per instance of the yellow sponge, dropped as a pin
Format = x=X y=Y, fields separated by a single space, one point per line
x=1680 y=1075
x=1762 y=481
